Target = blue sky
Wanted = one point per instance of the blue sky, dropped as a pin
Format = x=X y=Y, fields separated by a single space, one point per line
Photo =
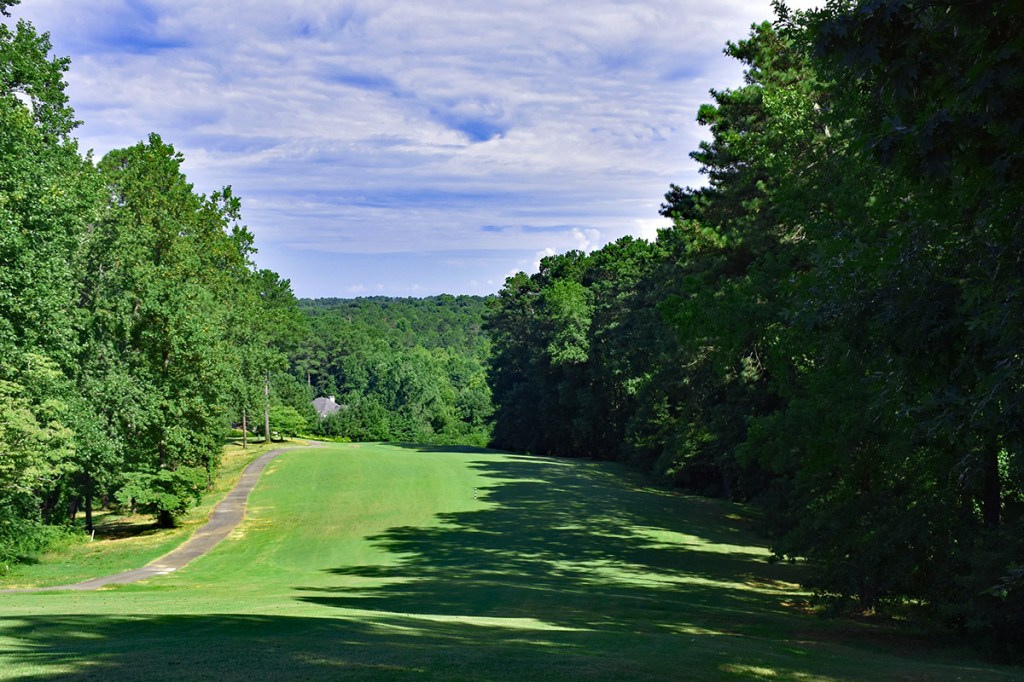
x=409 y=148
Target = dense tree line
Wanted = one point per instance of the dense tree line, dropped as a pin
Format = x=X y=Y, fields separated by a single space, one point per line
x=832 y=328
x=403 y=369
x=133 y=321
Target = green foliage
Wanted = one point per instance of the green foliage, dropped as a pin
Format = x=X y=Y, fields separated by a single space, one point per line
x=837 y=332
x=403 y=369
x=35 y=446
x=21 y=541
x=165 y=494
x=919 y=285
x=286 y=421
x=165 y=280
x=569 y=356
x=46 y=201
x=27 y=69
x=123 y=301
x=570 y=313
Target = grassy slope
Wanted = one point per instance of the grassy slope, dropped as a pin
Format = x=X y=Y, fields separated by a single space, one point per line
x=382 y=562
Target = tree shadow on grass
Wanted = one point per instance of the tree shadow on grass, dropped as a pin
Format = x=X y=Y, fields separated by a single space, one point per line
x=391 y=646
x=587 y=548
x=575 y=544
x=569 y=571
x=240 y=647
x=111 y=527
x=382 y=647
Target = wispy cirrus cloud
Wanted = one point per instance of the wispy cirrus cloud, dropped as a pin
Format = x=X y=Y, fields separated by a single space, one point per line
x=407 y=147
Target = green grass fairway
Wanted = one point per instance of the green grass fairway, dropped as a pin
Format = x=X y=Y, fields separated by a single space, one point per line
x=388 y=562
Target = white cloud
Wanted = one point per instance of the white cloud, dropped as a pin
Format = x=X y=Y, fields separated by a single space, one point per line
x=587 y=240
x=372 y=127
x=541 y=255
x=647 y=228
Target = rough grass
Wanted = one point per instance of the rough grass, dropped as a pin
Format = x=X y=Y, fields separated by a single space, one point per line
x=123 y=542
x=388 y=562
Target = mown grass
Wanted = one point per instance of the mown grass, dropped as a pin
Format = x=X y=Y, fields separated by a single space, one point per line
x=399 y=562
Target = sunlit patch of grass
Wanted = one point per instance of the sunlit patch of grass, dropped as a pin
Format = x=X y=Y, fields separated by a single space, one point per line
x=480 y=621
x=756 y=671
x=659 y=537
x=695 y=630
x=612 y=571
x=760 y=672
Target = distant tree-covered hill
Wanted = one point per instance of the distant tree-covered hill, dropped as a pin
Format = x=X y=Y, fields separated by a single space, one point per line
x=409 y=369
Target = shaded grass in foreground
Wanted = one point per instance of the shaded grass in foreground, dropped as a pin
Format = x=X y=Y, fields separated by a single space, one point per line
x=377 y=562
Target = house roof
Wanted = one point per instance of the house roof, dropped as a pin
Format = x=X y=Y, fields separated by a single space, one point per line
x=325 y=406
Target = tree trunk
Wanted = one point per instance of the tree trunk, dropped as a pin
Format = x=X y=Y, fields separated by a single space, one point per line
x=88 y=507
x=245 y=432
x=164 y=519
x=866 y=593
x=266 y=409
x=726 y=481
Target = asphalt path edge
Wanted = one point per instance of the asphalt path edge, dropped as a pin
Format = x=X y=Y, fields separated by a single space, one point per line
x=227 y=514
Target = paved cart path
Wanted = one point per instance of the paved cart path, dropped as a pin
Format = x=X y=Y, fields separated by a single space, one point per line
x=226 y=515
